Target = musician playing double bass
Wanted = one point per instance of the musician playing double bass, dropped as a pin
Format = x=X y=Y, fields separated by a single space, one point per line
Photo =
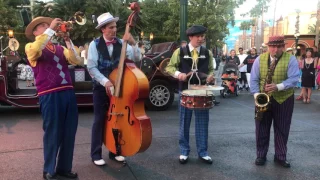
x=179 y=67
x=103 y=57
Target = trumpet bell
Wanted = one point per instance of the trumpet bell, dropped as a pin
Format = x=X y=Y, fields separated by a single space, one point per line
x=80 y=18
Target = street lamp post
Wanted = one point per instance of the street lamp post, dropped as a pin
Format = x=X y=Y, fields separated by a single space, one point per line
x=297 y=41
x=297 y=34
x=183 y=19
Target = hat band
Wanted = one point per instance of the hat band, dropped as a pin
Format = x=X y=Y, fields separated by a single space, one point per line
x=104 y=21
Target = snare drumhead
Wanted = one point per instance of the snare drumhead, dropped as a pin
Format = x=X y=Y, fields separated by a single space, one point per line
x=191 y=92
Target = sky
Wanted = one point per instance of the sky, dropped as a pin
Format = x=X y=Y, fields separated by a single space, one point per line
x=283 y=8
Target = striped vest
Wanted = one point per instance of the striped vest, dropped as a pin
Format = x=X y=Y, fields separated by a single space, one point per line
x=280 y=74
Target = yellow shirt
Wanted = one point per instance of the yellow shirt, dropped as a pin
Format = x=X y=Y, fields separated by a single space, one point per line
x=34 y=49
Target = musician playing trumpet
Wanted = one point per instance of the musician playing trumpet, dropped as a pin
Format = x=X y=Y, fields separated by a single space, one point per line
x=56 y=95
x=283 y=71
x=179 y=66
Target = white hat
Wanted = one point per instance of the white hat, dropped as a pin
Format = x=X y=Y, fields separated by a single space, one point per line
x=289 y=49
x=105 y=18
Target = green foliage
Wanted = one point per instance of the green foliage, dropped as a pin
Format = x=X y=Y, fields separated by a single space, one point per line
x=256 y=11
x=312 y=29
x=161 y=17
x=10 y=19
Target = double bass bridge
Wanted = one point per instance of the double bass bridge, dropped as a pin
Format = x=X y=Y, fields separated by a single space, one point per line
x=116 y=114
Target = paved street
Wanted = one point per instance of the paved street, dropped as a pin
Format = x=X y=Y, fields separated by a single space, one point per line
x=231 y=145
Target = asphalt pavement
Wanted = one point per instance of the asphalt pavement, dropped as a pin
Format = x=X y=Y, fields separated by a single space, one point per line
x=231 y=145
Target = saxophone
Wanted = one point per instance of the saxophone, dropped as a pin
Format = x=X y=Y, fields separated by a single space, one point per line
x=262 y=100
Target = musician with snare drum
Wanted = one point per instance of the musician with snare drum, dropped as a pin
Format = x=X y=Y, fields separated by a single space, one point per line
x=189 y=65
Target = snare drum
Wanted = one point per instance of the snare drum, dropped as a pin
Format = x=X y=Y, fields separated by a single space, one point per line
x=197 y=99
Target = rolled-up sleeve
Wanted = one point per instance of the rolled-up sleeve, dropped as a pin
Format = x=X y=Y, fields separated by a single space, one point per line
x=92 y=65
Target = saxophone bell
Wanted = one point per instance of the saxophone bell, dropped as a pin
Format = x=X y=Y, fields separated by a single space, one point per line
x=262 y=101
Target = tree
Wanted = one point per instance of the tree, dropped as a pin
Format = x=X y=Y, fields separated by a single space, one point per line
x=9 y=20
x=215 y=15
x=65 y=9
x=245 y=26
x=257 y=12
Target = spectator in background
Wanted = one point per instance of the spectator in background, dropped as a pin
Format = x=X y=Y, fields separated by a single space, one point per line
x=142 y=50
x=308 y=75
x=183 y=43
x=243 y=70
x=289 y=50
x=249 y=62
x=233 y=58
x=316 y=55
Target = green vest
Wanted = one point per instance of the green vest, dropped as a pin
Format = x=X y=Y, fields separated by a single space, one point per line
x=280 y=74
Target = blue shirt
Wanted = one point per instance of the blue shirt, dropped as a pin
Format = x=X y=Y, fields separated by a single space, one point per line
x=290 y=82
x=92 y=64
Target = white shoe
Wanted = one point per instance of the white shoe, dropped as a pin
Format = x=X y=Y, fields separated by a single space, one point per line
x=206 y=158
x=99 y=162
x=182 y=157
x=120 y=158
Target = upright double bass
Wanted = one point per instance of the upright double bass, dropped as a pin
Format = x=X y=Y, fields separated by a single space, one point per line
x=128 y=129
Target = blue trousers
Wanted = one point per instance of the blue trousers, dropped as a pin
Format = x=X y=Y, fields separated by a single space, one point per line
x=100 y=105
x=201 y=125
x=60 y=121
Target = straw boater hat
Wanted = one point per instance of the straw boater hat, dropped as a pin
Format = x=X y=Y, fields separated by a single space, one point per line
x=36 y=21
x=105 y=18
x=289 y=49
x=276 y=41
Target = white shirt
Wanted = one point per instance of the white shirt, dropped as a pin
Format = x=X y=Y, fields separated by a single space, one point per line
x=242 y=57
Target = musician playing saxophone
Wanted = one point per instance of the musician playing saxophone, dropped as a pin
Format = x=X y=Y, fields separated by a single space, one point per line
x=284 y=78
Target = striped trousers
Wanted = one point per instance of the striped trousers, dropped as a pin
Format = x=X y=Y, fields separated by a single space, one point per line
x=281 y=115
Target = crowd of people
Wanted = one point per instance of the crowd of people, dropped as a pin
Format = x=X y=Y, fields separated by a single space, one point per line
x=309 y=65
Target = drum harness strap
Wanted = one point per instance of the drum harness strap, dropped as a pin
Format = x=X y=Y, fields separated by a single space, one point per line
x=194 y=67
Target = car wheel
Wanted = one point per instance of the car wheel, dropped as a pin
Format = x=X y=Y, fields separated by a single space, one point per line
x=161 y=95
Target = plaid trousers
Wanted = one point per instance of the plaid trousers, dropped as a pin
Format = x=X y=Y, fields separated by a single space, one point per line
x=201 y=125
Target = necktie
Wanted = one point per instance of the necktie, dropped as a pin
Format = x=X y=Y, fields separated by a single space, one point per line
x=273 y=64
x=111 y=42
x=195 y=55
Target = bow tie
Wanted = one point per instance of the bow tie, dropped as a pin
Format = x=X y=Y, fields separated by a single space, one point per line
x=111 y=42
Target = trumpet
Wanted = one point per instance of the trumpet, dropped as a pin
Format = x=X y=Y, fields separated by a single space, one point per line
x=66 y=26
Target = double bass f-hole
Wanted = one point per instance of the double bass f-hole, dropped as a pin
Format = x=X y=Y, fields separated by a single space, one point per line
x=130 y=122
